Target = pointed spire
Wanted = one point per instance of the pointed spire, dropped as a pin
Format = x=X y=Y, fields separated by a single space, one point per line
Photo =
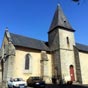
x=6 y=28
x=60 y=20
x=8 y=34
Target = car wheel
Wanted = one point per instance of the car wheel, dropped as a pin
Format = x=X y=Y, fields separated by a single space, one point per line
x=8 y=86
x=13 y=87
x=27 y=84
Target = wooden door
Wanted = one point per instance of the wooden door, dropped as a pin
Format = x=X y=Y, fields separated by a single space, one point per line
x=72 y=73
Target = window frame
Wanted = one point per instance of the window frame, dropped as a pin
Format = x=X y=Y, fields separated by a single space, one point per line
x=29 y=68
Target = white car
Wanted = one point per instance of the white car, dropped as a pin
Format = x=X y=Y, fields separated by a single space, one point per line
x=17 y=83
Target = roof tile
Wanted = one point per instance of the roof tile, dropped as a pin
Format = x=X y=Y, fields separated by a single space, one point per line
x=19 y=40
x=82 y=47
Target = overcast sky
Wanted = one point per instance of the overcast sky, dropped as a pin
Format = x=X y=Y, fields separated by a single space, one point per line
x=32 y=18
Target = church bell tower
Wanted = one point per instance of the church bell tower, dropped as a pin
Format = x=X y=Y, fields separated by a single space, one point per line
x=61 y=42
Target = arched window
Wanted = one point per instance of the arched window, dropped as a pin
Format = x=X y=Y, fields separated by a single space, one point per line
x=27 y=61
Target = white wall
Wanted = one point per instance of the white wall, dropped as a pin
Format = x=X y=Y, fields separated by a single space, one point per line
x=84 y=66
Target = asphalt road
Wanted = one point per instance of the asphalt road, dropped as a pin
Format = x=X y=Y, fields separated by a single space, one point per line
x=60 y=86
x=65 y=86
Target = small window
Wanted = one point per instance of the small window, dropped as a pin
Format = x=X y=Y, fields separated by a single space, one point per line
x=67 y=38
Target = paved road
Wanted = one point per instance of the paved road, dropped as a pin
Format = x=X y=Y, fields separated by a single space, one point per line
x=59 y=86
x=65 y=86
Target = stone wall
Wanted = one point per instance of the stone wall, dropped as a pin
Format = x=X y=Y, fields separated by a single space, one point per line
x=67 y=59
x=77 y=63
x=66 y=42
x=83 y=58
x=54 y=46
x=19 y=63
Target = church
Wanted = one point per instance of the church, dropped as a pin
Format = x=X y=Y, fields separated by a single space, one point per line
x=59 y=57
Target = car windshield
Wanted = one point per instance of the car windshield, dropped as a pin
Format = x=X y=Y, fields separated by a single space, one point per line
x=17 y=79
x=36 y=78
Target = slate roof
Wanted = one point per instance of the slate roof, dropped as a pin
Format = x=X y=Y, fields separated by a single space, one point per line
x=19 y=40
x=60 y=20
x=82 y=47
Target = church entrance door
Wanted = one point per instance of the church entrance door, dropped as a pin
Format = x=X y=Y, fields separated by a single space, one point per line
x=72 y=73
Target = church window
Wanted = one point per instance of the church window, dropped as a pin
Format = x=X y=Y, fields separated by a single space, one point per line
x=27 y=61
x=67 y=38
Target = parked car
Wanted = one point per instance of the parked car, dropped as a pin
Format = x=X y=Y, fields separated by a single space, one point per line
x=35 y=82
x=16 y=83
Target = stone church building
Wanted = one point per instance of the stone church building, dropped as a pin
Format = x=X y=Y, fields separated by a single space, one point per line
x=60 y=56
